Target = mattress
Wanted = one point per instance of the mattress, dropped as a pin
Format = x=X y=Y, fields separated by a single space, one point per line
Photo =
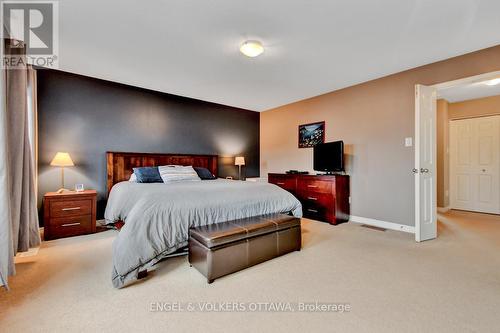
x=158 y=216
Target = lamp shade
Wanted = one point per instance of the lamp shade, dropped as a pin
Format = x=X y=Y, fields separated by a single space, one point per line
x=62 y=160
x=239 y=160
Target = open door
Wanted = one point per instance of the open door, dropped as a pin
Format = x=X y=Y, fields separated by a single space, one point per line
x=425 y=163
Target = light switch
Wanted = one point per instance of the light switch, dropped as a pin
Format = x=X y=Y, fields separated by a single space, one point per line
x=408 y=142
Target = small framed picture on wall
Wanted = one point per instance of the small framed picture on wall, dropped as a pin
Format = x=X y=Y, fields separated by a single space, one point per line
x=311 y=134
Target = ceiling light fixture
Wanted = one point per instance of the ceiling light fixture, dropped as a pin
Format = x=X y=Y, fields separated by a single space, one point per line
x=252 y=48
x=493 y=82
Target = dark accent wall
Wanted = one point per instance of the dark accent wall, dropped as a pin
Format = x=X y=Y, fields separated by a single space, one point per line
x=87 y=117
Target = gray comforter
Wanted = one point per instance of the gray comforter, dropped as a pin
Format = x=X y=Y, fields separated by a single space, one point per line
x=158 y=216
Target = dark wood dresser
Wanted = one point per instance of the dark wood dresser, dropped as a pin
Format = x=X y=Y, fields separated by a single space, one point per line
x=69 y=214
x=324 y=198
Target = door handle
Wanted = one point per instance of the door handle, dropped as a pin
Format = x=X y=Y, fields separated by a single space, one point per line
x=414 y=170
x=422 y=170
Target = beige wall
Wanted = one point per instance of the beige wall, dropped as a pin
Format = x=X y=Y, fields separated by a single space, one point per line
x=443 y=163
x=373 y=119
x=488 y=106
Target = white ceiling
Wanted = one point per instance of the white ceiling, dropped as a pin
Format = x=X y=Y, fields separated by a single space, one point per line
x=190 y=48
x=469 y=91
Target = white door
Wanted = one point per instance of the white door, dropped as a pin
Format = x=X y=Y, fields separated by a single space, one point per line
x=475 y=164
x=425 y=163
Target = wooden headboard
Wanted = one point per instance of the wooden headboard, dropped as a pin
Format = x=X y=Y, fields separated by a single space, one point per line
x=119 y=165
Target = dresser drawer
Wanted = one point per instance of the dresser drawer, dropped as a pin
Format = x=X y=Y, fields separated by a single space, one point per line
x=70 y=226
x=314 y=198
x=287 y=183
x=316 y=212
x=64 y=208
x=316 y=186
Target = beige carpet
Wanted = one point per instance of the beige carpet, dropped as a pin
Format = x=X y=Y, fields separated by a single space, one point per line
x=392 y=284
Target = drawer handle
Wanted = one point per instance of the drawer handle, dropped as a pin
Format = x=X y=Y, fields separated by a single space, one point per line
x=312 y=186
x=312 y=198
x=71 y=208
x=280 y=183
x=71 y=224
x=312 y=210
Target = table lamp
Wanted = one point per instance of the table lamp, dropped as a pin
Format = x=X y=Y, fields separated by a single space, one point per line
x=62 y=160
x=239 y=161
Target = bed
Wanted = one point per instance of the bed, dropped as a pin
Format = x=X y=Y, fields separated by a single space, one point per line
x=157 y=216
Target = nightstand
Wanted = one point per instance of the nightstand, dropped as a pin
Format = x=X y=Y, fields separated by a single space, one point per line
x=69 y=214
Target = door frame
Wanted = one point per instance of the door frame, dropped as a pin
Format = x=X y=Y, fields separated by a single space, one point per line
x=438 y=87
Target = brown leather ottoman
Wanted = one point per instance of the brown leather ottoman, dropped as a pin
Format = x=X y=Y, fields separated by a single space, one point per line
x=223 y=248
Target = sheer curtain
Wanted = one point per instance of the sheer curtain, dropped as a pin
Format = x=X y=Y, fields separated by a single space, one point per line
x=18 y=213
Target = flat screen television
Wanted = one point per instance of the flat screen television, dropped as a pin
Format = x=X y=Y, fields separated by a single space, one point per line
x=329 y=157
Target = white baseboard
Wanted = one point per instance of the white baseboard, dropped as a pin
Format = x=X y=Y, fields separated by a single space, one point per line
x=443 y=209
x=383 y=224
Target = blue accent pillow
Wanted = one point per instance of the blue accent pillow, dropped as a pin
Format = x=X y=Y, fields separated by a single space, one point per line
x=204 y=173
x=147 y=175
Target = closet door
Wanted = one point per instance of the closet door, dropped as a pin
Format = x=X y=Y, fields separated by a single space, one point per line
x=475 y=164
x=461 y=164
x=488 y=164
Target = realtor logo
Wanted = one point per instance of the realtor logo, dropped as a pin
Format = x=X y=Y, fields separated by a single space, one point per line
x=32 y=26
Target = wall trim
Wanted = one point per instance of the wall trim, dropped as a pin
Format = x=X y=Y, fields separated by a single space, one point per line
x=443 y=209
x=470 y=79
x=382 y=224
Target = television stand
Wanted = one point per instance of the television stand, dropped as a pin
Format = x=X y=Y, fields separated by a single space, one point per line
x=323 y=197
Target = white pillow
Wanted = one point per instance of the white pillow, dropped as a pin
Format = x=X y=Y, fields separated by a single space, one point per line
x=174 y=173
x=133 y=178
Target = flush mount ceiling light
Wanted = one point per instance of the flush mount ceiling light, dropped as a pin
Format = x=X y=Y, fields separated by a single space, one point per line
x=252 y=48
x=493 y=82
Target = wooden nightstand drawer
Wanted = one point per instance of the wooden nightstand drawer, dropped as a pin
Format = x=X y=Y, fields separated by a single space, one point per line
x=70 y=208
x=71 y=226
x=69 y=213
